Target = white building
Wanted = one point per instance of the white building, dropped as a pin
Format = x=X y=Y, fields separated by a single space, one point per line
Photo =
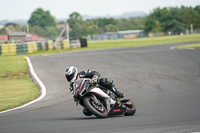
x=119 y=35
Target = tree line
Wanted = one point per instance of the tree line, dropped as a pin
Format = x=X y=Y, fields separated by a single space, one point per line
x=173 y=20
x=80 y=27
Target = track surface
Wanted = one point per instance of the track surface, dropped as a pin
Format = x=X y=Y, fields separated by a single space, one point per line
x=164 y=84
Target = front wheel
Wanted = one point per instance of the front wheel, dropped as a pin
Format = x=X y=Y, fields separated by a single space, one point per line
x=131 y=110
x=98 y=109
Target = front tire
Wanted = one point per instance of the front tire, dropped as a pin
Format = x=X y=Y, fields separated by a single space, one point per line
x=131 y=110
x=86 y=112
x=98 y=110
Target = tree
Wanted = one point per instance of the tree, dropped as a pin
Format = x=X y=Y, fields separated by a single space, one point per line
x=111 y=28
x=197 y=8
x=157 y=28
x=12 y=27
x=189 y=16
x=175 y=23
x=3 y=31
x=105 y=24
x=74 y=18
x=166 y=19
x=149 y=24
x=38 y=31
x=13 y=24
x=43 y=24
x=90 y=27
x=41 y=18
x=76 y=25
x=51 y=32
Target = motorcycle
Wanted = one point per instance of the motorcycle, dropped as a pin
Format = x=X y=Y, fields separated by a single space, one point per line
x=99 y=101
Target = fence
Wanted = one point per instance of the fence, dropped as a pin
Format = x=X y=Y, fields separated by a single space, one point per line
x=30 y=47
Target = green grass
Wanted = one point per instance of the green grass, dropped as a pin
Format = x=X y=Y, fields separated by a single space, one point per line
x=16 y=87
x=191 y=46
x=143 y=41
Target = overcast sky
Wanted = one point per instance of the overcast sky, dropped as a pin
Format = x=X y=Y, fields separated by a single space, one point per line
x=22 y=9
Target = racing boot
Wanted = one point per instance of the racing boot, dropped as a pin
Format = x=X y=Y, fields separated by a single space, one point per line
x=117 y=93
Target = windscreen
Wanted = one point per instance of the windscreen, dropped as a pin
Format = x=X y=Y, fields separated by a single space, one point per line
x=77 y=84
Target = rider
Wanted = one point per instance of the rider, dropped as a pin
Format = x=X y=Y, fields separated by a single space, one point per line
x=72 y=74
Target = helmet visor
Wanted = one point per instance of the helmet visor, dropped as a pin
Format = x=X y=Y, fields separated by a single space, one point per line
x=70 y=77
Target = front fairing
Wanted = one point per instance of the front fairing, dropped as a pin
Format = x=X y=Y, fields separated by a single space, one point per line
x=80 y=88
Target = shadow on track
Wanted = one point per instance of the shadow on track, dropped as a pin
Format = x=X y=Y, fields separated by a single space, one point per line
x=80 y=118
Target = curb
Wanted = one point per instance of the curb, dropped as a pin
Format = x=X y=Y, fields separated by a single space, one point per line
x=43 y=88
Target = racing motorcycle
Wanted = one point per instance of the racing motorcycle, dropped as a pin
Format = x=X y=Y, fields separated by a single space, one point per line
x=99 y=101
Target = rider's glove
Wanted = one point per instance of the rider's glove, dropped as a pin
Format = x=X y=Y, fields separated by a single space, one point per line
x=94 y=79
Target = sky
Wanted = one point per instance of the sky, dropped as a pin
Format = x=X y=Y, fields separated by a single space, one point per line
x=22 y=9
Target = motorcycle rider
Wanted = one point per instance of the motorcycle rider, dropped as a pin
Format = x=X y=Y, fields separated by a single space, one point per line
x=72 y=74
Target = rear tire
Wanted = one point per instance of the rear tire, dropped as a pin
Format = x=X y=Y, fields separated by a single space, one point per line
x=88 y=105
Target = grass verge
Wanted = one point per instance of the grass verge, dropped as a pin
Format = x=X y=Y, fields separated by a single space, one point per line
x=16 y=87
x=143 y=41
x=191 y=46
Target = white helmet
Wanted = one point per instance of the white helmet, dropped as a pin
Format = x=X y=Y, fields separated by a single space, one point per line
x=71 y=73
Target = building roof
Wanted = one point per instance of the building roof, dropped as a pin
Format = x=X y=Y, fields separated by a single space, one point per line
x=31 y=37
x=130 y=32
x=17 y=34
x=4 y=37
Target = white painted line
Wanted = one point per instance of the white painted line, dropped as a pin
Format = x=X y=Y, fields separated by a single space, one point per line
x=182 y=48
x=43 y=88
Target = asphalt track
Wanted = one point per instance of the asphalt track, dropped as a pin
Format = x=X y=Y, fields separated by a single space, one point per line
x=163 y=83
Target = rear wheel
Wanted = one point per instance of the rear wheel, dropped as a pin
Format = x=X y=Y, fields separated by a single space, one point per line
x=98 y=109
